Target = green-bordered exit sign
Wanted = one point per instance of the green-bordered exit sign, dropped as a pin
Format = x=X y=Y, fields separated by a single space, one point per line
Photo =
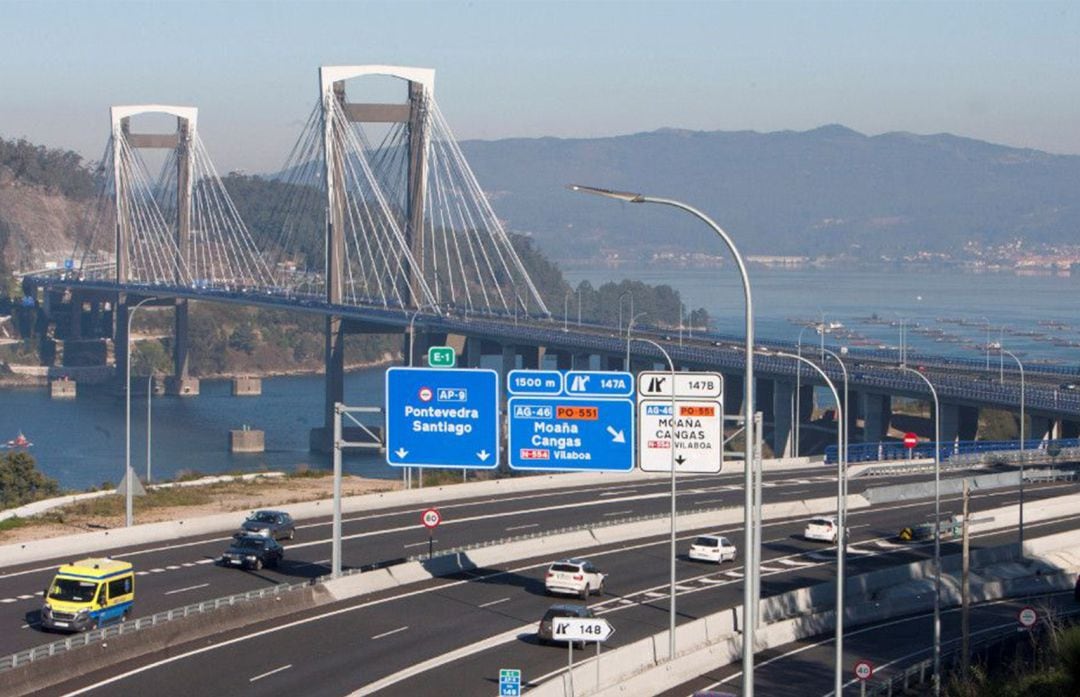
x=441 y=357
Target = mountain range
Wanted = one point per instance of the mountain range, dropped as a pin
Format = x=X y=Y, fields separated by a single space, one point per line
x=827 y=191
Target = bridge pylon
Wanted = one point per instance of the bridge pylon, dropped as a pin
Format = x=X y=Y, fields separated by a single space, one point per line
x=180 y=142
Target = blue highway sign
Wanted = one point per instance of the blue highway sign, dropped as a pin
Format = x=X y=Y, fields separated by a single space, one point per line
x=566 y=433
x=442 y=417
x=598 y=383
x=509 y=682
x=534 y=382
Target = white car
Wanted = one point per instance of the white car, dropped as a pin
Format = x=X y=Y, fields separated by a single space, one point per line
x=574 y=576
x=823 y=529
x=712 y=548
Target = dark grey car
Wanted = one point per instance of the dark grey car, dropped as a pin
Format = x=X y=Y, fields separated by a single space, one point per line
x=276 y=524
x=544 y=631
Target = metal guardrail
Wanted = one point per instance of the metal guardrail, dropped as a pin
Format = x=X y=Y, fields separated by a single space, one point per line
x=96 y=635
x=916 y=675
x=895 y=450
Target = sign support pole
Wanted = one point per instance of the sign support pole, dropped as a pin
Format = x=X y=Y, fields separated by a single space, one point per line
x=335 y=554
x=570 y=665
x=965 y=618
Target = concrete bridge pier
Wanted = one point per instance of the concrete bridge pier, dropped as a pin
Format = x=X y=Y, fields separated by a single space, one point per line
x=1039 y=428
x=612 y=362
x=1069 y=429
x=181 y=383
x=783 y=394
x=733 y=394
x=877 y=412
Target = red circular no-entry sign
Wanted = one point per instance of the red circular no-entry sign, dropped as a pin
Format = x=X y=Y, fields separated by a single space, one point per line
x=910 y=440
x=431 y=518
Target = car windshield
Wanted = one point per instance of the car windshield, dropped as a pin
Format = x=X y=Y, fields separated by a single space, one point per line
x=572 y=568
x=707 y=542
x=249 y=543
x=821 y=521
x=263 y=517
x=71 y=590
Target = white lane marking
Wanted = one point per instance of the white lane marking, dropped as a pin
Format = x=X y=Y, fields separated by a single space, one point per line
x=885 y=544
x=711 y=580
x=142 y=573
x=794 y=563
x=417 y=544
x=25 y=597
x=797 y=491
x=523 y=527
x=771 y=570
x=172 y=567
x=269 y=673
x=188 y=564
x=625 y=601
x=392 y=631
x=617 y=513
x=25 y=626
x=189 y=588
x=8 y=600
x=494 y=602
x=618 y=493
x=860 y=525
x=415 y=669
x=733 y=574
x=655 y=594
x=682 y=588
x=157 y=570
x=205 y=561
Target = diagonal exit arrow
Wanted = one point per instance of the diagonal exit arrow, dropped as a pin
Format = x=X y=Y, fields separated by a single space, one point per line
x=616 y=436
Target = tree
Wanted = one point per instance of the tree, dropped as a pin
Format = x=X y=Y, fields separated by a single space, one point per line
x=21 y=482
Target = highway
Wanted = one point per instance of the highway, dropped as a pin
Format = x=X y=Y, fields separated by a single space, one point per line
x=455 y=633
x=889 y=646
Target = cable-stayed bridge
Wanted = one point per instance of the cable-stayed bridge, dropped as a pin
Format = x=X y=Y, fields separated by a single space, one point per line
x=381 y=226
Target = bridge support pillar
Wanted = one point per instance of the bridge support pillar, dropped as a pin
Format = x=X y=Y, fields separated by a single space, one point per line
x=532 y=357
x=1070 y=429
x=877 y=412
x=733 y=394
x=75 y=324
x=181 y=383
x=968 y=423
x=783 y=392
x=509 y=362
x=950 y=423
x=612 y=362
x=1039 y=429
x=321 y=439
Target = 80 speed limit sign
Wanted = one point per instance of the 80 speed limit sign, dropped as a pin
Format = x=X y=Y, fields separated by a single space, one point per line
x=431 y=518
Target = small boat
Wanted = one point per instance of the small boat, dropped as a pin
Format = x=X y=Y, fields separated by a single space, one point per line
x=19 y=441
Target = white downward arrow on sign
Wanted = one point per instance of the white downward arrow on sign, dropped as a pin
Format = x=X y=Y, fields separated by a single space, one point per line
x=401 y=453
x=483 y=455
x=616 y=436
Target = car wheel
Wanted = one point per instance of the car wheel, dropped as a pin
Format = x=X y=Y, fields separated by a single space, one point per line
x=258 y=564
x=585 y=592
x=600 y=589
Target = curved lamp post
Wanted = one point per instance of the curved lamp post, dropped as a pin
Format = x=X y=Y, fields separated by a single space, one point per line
x=841 y=523
x=937 y=527
x=129 y=516
x=1001 y=349
x=621 y=296
x=629 y=326
x=748 y=414
x=671 y=368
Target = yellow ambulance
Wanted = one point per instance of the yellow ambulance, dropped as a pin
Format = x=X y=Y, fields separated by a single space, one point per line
x=89 y=593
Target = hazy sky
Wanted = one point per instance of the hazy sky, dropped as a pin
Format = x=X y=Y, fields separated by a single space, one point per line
x=1004 y=72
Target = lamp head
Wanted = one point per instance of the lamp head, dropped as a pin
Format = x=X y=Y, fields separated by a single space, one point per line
x=608 y=193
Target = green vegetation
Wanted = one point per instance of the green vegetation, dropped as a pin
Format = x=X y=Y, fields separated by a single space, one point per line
x=21 y=482
x=58 y=170
x=1049 y=667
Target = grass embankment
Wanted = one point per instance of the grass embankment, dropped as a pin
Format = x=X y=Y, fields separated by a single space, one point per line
x=1046 y=665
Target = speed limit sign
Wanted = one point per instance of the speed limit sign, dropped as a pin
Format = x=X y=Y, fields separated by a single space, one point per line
x=431 y=518
x=864 y=670
x=1027 y=617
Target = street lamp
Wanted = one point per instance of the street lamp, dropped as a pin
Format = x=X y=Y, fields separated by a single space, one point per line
x=621 y=296
x=748 y=415
x=1001 y=349
x=671 y=439
x=129 y=517
x=937 y=527
x=987 y=321
x=149 y=402
x=629 y=326
x=841 y=511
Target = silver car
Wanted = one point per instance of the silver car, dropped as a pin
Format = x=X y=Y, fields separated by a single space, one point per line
x=276 y=524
